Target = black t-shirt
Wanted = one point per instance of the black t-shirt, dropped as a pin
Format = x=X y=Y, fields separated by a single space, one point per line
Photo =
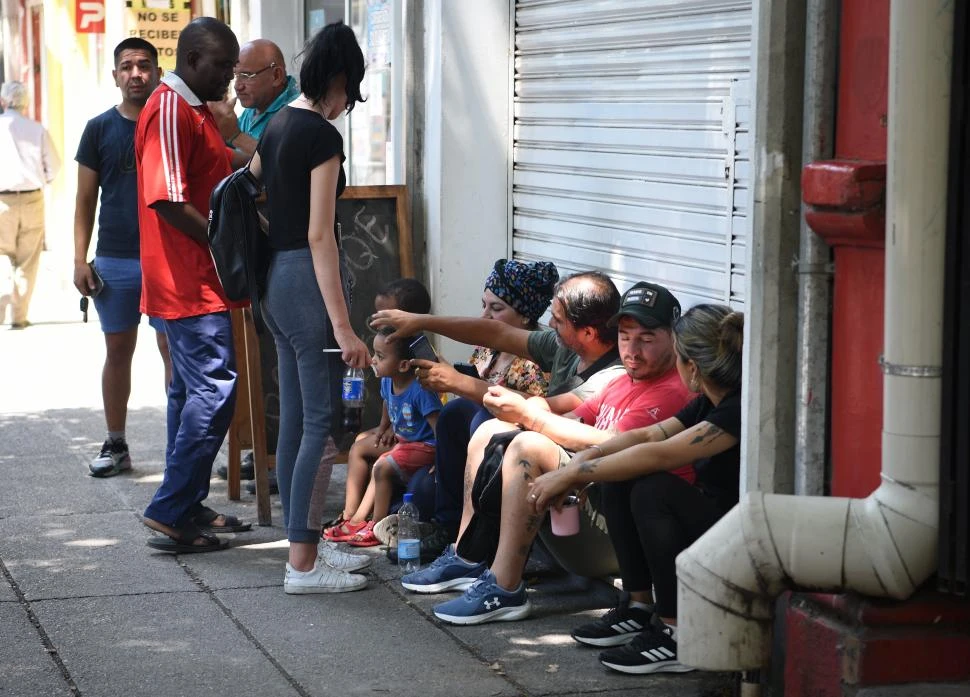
x=718 y=476
x=294 y=143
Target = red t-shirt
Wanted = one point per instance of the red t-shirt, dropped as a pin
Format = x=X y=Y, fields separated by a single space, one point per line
x=180 y=157
x=625 y=404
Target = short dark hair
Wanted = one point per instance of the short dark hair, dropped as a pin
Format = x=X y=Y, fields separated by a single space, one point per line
x=409 y=294
x=332 y=52
x=401 y=344
x=133 y=43
x=590 y=299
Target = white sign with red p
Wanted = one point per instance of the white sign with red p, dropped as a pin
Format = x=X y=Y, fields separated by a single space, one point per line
x=89 y=16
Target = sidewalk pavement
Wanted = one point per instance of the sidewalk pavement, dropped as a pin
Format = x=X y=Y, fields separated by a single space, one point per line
x=87 y=609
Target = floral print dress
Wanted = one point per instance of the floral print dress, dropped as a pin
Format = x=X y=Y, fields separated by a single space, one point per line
x=513 y=372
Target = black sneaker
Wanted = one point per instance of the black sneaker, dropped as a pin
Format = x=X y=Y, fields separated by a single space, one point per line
x=618 y=626
x=113 y=459
x=653 y=651
x=274 y=487
x=434 y=538
x=247 y=470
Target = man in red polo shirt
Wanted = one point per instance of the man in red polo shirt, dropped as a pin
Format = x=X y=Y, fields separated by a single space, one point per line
x=180 y=158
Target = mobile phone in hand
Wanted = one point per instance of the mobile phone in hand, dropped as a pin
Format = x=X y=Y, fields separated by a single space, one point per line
x=422 y=348
x=98 y=281
x=467 y=369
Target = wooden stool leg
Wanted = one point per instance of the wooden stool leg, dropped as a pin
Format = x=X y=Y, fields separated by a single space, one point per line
x=239 y=430
x=257 y=421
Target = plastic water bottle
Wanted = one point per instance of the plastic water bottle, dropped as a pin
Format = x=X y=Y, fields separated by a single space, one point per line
x=353 y=399
x=408 y=536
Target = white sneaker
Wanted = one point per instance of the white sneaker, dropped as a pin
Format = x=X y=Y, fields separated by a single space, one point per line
x=386 y=530
x=321 y=579
x=329 y=554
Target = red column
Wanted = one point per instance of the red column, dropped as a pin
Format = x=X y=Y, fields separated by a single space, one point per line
x=836 y=644
x=845 y=205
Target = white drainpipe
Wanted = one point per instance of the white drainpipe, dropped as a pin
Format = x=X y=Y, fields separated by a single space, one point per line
x=884 y=545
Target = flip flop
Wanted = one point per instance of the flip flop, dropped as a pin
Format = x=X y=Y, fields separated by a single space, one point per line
x=232 y=524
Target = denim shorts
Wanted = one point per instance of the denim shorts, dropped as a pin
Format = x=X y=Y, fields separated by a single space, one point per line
x=117 y=304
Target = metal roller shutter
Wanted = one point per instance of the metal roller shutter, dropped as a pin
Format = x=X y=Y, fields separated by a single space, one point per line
x=631 y=149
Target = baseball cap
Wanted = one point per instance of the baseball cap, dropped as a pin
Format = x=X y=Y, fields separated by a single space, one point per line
x=650 y=304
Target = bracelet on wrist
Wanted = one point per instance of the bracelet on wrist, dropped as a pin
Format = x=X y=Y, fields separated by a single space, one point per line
x=597 y=449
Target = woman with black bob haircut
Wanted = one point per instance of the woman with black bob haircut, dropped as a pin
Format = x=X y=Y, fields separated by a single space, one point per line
x=299 y=159
x=653 y=515
x=332 y=56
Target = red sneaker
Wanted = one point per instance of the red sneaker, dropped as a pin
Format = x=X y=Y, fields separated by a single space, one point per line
x=365 y=537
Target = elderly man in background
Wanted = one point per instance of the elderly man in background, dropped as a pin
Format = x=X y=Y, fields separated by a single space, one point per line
x=263 y=88
x=29 y=161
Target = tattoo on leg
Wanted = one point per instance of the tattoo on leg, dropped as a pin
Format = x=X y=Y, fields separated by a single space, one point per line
x=526 y=470
x=532 y=523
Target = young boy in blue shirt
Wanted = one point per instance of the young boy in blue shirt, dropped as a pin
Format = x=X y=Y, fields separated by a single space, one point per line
x=408 y=420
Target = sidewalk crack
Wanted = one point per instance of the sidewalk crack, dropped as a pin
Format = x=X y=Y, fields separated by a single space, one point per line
x=45 y=639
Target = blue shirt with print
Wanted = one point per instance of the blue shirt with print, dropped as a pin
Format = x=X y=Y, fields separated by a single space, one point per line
x=409 y=410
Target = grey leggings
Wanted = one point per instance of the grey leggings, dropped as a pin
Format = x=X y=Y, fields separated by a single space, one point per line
x=309 y=390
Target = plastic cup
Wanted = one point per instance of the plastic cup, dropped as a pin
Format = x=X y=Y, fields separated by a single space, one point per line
x=565 y=522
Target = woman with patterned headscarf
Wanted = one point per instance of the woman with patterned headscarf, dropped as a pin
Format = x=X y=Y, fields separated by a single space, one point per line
x=516 y=293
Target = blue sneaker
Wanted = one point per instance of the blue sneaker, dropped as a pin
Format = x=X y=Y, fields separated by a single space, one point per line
x=485 y=601
x=447 y=572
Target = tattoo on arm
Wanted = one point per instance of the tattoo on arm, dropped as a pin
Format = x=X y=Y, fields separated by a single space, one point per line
x=712 y=433
x=589 y=466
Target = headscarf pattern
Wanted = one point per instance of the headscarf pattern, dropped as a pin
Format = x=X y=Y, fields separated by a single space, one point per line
x=527 y=288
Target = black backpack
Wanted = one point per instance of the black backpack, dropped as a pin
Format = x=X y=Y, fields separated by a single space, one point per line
x=239 y=248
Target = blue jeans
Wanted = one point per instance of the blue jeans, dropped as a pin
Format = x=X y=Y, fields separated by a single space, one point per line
x=201 y=399
x=309 y=389
x=457 y=422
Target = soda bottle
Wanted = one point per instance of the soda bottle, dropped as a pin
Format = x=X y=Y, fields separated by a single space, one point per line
x=408 y=536
x=353 y=399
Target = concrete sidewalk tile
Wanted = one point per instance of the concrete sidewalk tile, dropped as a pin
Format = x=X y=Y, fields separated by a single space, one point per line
x=366 y=642
x=7 y=594
x=25 y=666
x=96 y=554
x=56 y=488
x=165 y=644
x=539 y=654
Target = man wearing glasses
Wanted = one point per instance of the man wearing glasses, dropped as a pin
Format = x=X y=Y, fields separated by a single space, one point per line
x=263 y=88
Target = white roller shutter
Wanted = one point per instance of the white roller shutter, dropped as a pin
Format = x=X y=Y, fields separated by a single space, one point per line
x=631 y=140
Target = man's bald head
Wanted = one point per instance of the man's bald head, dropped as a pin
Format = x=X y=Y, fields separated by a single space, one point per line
x=263 y=50
x=206 y=53
x=260 y=74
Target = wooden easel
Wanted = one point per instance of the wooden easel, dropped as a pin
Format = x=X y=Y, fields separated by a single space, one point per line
x=248 y=428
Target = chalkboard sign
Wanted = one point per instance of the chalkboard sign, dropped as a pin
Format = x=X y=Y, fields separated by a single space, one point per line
x=376 y=239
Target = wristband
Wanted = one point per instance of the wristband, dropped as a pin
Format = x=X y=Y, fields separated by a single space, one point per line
x=597 y=449
x=233 y=139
